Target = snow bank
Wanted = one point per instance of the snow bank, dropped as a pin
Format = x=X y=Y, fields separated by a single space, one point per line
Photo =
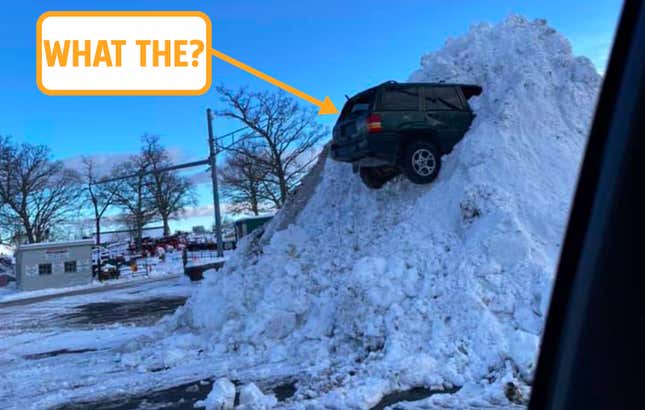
x=368 y=292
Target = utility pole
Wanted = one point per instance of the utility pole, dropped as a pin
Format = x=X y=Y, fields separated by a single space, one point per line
x=211 y=161
x=213 y=165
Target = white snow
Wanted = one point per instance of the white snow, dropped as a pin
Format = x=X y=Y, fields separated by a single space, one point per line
x=221 y=397
x=441 y=285
x=252 y=398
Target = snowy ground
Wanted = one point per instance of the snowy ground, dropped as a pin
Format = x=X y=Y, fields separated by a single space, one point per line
x=49 y=350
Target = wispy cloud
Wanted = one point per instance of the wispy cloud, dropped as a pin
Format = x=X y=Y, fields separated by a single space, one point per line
x=200 y=177
x=201 y=211
x=197 y=211
x=104 y=163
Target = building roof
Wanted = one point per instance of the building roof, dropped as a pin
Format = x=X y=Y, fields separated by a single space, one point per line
x=44 y=245
x=150 y=228
x=255 y=217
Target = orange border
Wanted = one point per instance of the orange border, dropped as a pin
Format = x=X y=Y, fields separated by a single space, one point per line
x=207 y=47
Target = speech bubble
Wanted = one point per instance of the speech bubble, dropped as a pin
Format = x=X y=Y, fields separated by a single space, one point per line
x=123 y=53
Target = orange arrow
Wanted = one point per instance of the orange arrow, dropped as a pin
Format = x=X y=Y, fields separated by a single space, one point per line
x=326 y=106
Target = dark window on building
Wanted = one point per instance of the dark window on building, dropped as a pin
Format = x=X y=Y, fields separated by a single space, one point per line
x=45 y=269
x=70 y=267
x=442 y=98
x=400 y=99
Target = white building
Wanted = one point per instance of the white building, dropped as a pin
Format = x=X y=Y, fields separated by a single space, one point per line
x=54 y=264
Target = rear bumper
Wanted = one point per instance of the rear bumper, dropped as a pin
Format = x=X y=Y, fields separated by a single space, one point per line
x=384 y=146
x=350 y=151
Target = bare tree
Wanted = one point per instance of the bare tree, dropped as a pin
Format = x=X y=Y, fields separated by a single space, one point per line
x=244 y=182
x=286 y=132
x=36 y=193
x=6 y=231
x=133 y=195
x=100 y=196
x=171 y=192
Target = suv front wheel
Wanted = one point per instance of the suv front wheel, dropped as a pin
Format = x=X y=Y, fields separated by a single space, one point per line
x=420 y=162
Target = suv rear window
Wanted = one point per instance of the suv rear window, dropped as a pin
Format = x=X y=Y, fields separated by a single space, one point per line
x=399 y=99
x=358 y=104
x=442 y=98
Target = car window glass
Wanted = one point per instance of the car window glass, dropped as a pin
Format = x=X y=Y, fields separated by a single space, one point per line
x=400 y=99
x=442 y=98
x=357 y=104
x=360 y=107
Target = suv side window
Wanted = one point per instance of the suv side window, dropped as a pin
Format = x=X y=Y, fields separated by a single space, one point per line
x=399 y=99
x=442 y=98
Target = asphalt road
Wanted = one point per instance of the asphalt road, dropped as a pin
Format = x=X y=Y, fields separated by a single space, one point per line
x=182 y=397
x=139 y=303
x=87 y=291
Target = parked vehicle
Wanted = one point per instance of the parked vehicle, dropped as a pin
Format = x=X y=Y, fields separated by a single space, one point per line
x=402 y=127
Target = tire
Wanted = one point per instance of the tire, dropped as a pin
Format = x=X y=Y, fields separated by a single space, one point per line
x=420 y=162
x=371 y=178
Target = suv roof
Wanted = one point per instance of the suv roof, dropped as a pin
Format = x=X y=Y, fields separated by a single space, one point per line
x=470 y=89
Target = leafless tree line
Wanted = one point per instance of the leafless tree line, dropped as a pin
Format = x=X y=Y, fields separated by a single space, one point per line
x=38 y=194
x=262 y=170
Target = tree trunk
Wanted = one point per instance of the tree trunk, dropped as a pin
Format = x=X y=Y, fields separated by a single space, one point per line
x=98 y=231
x=138 y=232
x=166 y=226
x=282 y=180
x=254 y=202
x=29 y=231
x=97 y=221
x=284 y=191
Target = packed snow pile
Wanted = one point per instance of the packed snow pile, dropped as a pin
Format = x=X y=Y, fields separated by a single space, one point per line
x=444 y=286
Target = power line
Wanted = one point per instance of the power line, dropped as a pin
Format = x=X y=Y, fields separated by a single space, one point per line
x=214 y=149
x=155 y=171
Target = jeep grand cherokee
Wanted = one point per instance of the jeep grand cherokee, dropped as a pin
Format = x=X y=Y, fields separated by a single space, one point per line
x=402 y=127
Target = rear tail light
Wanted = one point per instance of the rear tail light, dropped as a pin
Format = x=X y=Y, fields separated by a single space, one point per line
x=374 y=123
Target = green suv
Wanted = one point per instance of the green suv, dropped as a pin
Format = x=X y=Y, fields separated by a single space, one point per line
x=402 y=127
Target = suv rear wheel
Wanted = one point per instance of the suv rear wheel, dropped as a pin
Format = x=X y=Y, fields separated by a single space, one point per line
x=376 y=177
x=371 y=177
x=421 y=162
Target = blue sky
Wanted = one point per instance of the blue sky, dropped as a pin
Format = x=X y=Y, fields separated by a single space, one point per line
x=324 y=48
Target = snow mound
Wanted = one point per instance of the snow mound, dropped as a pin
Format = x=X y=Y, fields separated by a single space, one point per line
x=221 y=396
x=447 y=285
